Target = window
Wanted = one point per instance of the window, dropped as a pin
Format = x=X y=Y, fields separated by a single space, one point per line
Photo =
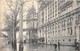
x=42 y=14
x=69 y=39
x=69 y=22
x=63 y=40
x=62 y=23
x=58 y=31
x=78 y=2
x=55 y=40
x=58 y=26
x=55 y=27
x=79 y=18
x=75 y=29
x=42 y=20
x=53 y=32
x=59 y=12
x=55 y=14
x=55 y=2
x=58 y=40
x=70 y=30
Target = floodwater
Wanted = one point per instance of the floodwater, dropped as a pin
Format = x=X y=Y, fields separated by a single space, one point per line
x=42 y=47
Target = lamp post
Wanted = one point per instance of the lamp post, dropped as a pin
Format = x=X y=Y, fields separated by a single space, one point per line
x=21 y=25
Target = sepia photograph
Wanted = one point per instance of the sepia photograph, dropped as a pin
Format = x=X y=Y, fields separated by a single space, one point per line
x=39 y=25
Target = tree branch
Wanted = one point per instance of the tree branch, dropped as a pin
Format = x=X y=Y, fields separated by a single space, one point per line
x=9 y=6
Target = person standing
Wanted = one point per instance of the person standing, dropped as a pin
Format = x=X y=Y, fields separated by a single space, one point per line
x=58 y=46
x=55 y=46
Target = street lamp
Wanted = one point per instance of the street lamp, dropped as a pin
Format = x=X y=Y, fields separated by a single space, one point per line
x=21 y=26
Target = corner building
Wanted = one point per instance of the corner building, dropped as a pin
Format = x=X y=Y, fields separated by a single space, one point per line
x=59 y=21
x=32 y=24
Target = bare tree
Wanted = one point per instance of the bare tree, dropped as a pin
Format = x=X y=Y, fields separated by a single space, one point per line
x=11 y=20
x=9 y=26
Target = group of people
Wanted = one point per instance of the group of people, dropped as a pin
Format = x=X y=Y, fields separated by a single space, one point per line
x=57 y=45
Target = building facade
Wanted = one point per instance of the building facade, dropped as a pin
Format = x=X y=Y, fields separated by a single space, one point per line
x=32 y=23
x=59 y=21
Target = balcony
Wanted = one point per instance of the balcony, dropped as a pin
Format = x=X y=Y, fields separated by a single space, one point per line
x=66 y=3
x=26 y=29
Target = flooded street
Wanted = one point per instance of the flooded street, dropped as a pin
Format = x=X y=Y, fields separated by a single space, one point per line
x=29 y=47
x=39 y=47
x=67 y=48
x=7 y=48
x=40 y=25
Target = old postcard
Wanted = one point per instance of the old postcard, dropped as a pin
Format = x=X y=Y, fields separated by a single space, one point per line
x=39 y=25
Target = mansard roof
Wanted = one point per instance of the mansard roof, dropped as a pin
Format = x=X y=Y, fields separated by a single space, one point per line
x=32 y=9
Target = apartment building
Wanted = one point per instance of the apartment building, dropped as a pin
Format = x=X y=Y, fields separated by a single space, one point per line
x=58 y=21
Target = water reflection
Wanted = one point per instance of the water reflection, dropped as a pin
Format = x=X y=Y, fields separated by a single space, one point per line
x=41 y=47
x=67 y=48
